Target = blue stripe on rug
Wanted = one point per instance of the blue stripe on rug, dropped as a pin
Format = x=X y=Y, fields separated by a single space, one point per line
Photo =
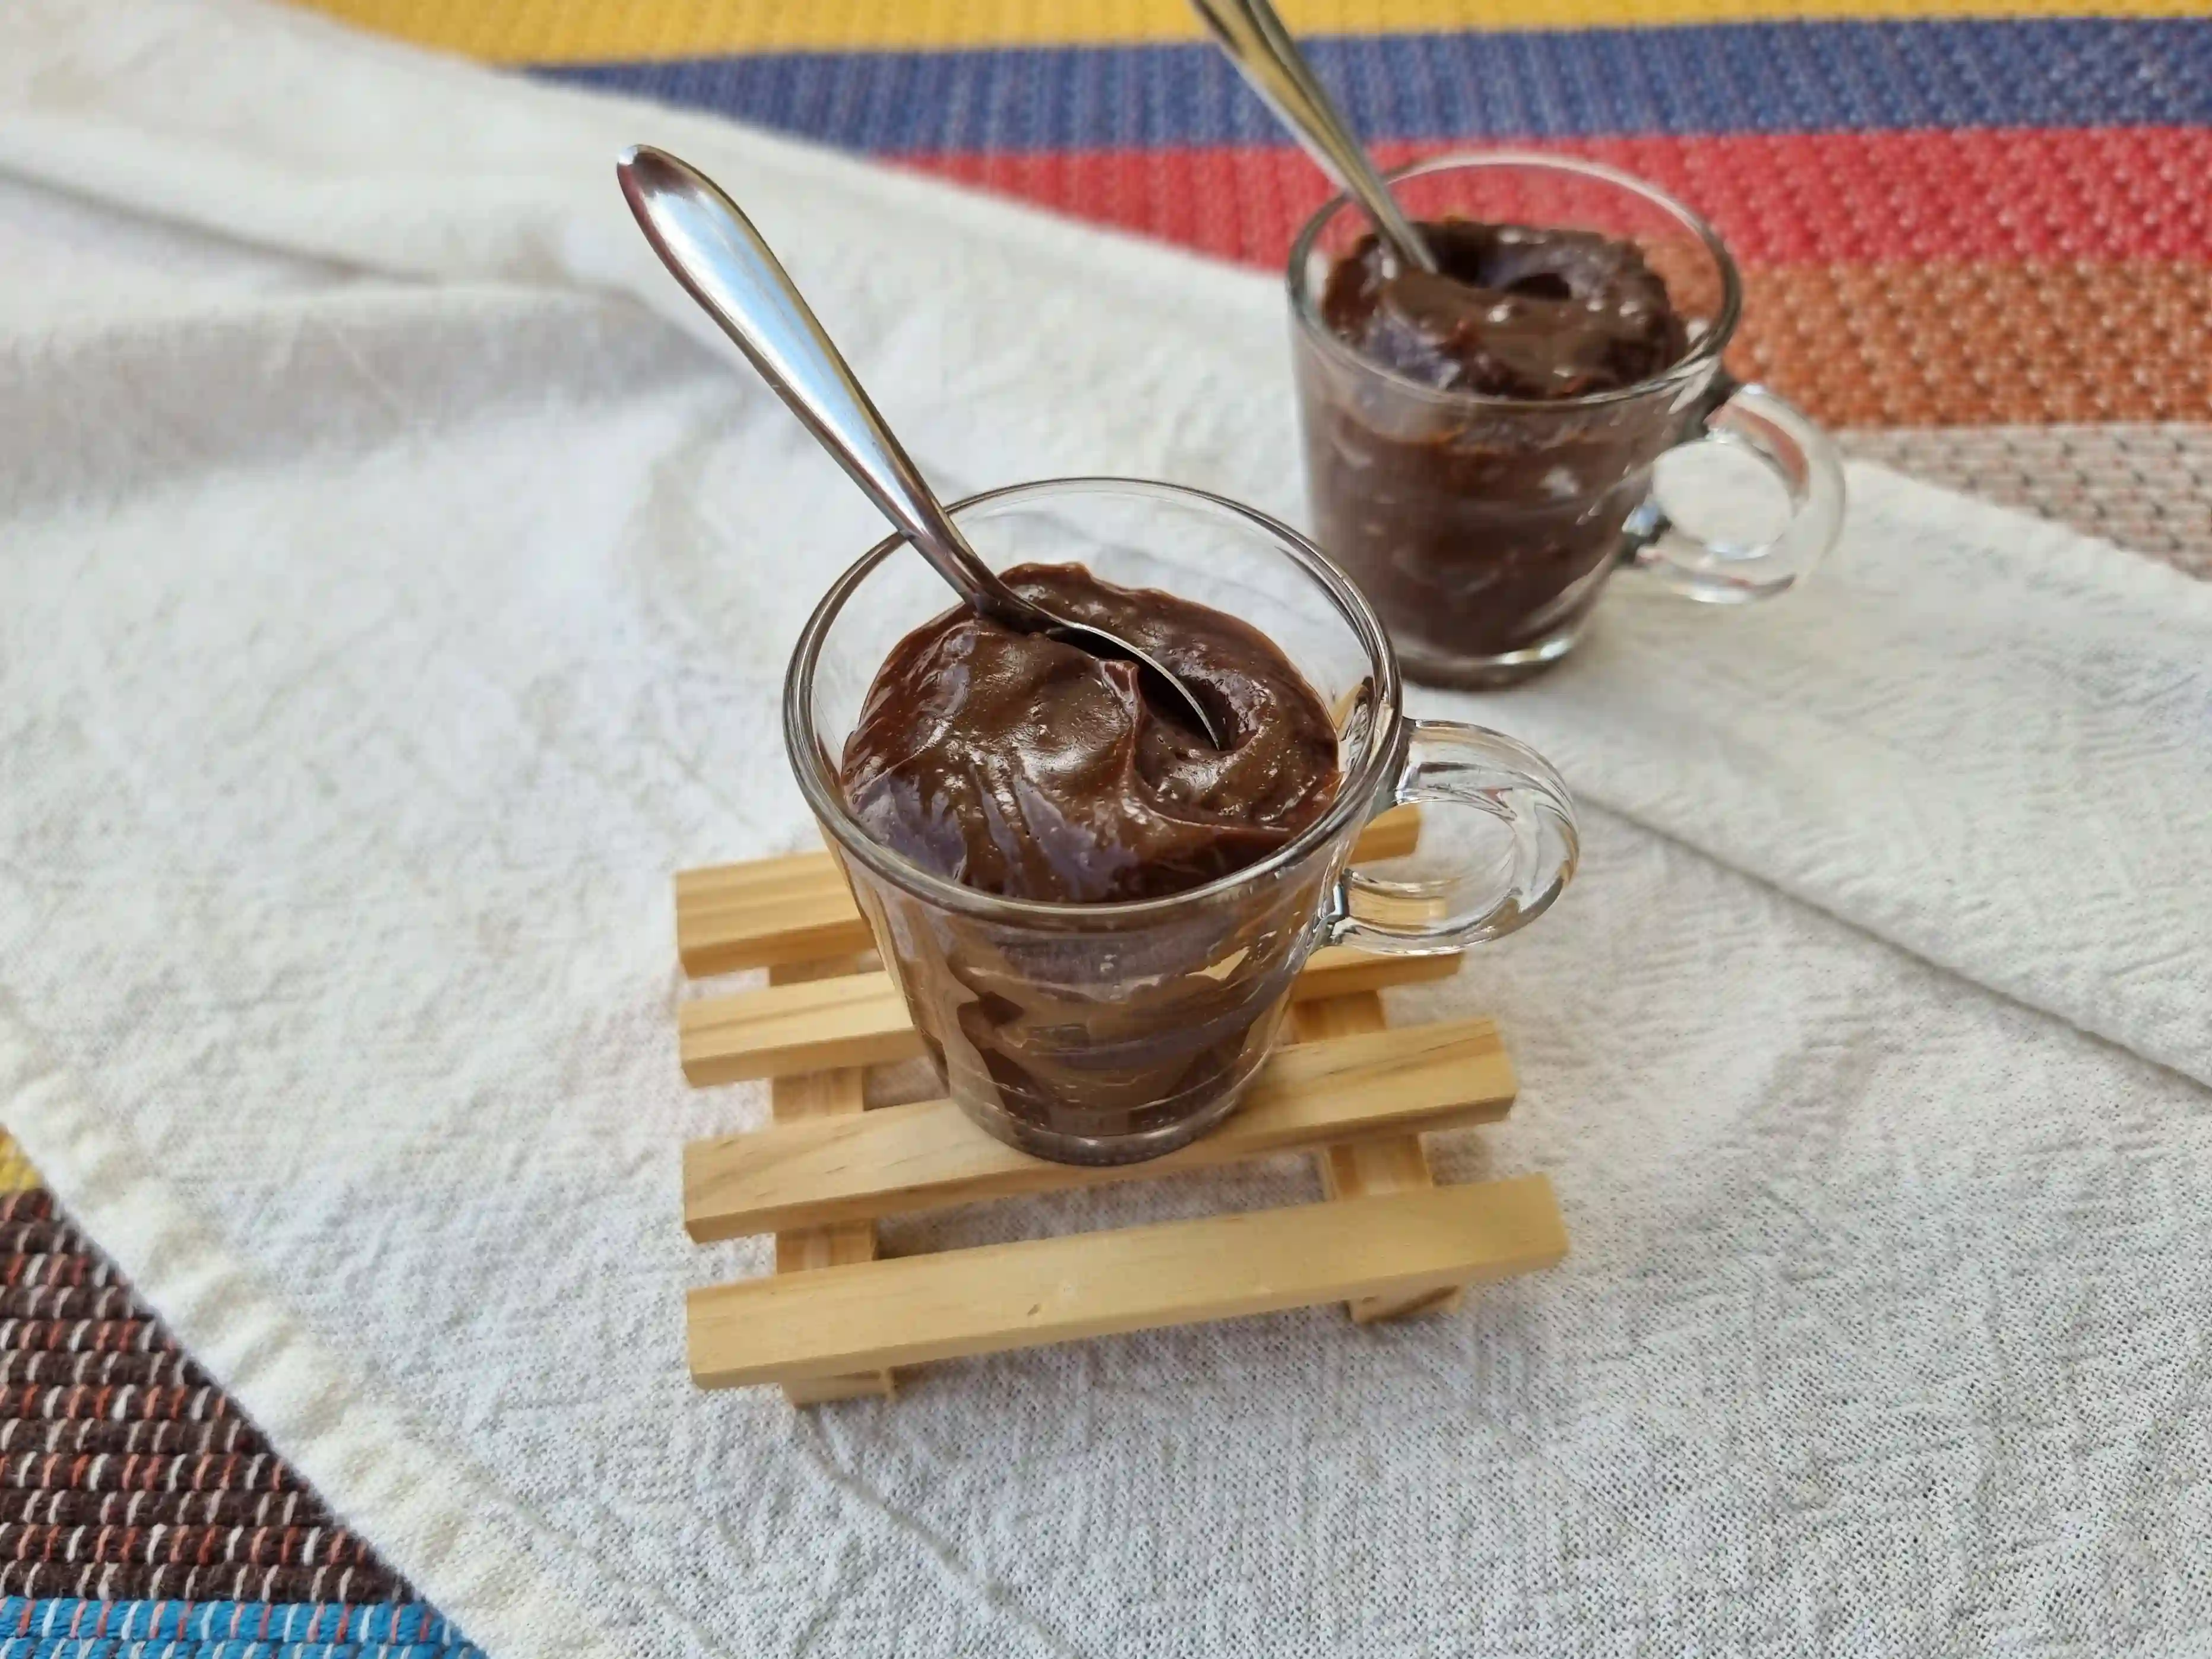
x=1683 y=80
x=227 y=1630
x=109 y=1647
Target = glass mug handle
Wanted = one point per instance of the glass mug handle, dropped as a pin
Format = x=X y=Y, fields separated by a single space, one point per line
x=1444 y=763
x=1798 y=453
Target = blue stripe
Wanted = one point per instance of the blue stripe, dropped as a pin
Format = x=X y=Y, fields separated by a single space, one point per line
x=231 y=1630
x=1684 y=80
x=109 y=1647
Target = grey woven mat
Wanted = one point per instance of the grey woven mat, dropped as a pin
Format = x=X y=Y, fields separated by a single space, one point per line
x=2145 y=487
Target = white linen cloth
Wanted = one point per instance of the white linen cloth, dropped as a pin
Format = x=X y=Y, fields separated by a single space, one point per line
x=389 y=603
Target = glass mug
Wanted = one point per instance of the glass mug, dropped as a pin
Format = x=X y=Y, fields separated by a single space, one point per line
x=1108 y=1033
x=1484 y=527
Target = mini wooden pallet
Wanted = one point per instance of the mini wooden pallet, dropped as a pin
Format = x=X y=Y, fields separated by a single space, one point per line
x=834 y=1320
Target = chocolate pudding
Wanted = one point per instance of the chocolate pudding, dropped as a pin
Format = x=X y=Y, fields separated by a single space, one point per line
x=1481 y=506
x=1025 y=768
x=1514 y=312
x=1018 y=765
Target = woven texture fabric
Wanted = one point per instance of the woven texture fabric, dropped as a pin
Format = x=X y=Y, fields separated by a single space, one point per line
x=1947 y=221
x=2148 y=488
x=1943 y=221
x=1867 y=1056
x=1851 y=166
x=136 y=1505
x=125 y=1473
x=70 y=1628
x=565 y=31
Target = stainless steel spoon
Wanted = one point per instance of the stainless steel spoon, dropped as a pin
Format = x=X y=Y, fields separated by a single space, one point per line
x=1272 y=65
x=722 y=263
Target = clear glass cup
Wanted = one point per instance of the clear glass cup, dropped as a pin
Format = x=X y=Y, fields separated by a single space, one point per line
x=1106 y=1033
x=1483 y=528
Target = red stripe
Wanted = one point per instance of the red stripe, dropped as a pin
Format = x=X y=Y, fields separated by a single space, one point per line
x=2103 y=195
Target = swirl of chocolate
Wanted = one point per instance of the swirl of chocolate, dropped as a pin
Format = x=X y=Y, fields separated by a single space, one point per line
x=1018 y=765
x=1515 y=312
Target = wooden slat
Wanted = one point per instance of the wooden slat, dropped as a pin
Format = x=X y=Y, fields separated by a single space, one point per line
x=796 y=909
x=923 y=1156
x=764 y=912
x=861 y=1019
x=1397 y=1164
x=857 y=1020
x=911 y=1310
x=813 y=1098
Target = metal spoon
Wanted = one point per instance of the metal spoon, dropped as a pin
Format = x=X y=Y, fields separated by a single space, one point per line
x=723 y=264
x=1271 y=65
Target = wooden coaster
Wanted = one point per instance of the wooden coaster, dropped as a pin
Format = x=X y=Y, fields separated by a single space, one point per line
x=835 y=1320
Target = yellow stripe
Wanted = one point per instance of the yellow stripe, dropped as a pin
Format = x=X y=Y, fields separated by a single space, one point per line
x=16 y=1175
x=588 y=31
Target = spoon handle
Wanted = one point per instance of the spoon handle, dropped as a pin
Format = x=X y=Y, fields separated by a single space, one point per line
x=1256 y=41
x=713 y=251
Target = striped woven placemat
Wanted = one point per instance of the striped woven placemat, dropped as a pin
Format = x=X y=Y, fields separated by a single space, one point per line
x=1953 y=214
x=1945 y=220
x=135 y=1504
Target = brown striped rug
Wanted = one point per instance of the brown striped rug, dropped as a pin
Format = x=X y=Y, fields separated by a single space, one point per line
x=126 y=1473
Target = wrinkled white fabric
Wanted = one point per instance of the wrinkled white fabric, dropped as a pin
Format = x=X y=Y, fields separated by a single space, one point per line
x=389 y=602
